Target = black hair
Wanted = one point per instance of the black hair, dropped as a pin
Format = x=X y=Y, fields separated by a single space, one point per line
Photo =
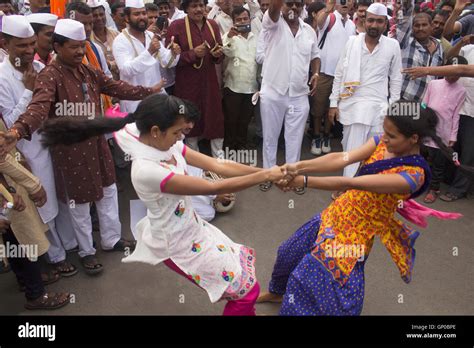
x=161 y=2
x=6 y=2
x=446 y=3
x=456 y=60
x=185 y=4
x=425 y=14
x=239 y=10
x=79 y=7
x=7 y=37
x=155 y=110
x=424 y=125
x=37 y=27
x=59 y=39
x=442 y=13
x=115 y=7
x=151 y=7
x=363 y=3
x=312 y=8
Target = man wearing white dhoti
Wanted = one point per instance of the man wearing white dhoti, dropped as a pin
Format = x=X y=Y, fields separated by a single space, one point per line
x=361 y=87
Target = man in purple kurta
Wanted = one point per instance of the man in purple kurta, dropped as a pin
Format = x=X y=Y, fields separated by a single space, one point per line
x=196 y=79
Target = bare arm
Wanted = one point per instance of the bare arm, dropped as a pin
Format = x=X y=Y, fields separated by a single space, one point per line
x=378 y=183
x=190 y=186
x=223 y=167
x=454 y=51
x=323 y=15
x=452 y=26
x=332 y=162
x=451 y=70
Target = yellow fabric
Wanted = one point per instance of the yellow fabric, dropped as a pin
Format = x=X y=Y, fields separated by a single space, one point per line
x=354 y=219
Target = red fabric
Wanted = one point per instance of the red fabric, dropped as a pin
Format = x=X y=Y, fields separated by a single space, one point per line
x=199 y=86
x=417 y=213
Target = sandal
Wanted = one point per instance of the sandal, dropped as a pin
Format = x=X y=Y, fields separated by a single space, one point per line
x=48 y=301
x=65 y=268
x=122 y=245
x=265 y=186
x=91 y=265
x=449 y=197
x=431 y=196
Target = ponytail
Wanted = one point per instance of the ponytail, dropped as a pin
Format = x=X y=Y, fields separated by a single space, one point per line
x=155 y=110
x=70 y=130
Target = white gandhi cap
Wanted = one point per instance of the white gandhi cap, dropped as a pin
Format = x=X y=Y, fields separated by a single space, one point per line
x=95 y=3
x=71 y=29
x=17 y=26
x=378 y=9
x=43 y=18
x=134 y=3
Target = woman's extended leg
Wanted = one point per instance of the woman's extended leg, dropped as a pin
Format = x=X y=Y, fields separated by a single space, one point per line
x=290 y=253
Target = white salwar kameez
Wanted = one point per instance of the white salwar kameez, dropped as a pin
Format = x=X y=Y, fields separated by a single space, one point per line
x=172 y=229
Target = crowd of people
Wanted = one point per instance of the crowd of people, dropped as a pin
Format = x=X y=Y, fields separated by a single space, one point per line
x=99 y=85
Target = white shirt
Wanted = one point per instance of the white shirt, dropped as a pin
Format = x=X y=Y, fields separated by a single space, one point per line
x=335 y=42
x=178 y=14
x=468 y=82
x=288 y=57
x=14 y=99
x=225 y=22
x=136 y=65
x=102 y=60
x=172 y=229
x=369 y=101
x=240 y=66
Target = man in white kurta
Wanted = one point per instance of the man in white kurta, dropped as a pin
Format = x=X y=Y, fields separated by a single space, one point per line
x=138 y=62
x=284 y=92
x=361 y=88
x=14 y=98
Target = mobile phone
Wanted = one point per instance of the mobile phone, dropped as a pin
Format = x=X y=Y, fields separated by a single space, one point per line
x=244 y=28
x=162 y=23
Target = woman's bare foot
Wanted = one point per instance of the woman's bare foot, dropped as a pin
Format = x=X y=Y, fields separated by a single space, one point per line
x=269 y=297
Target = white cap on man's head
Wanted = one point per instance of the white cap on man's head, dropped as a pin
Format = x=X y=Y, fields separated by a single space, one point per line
x=17 y=26
x=43 y=18
x=71 y=29
x=378 y=9
x=95 y=3
x=134 y=3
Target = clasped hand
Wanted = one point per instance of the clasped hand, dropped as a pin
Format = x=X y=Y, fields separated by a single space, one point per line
x=286 y=177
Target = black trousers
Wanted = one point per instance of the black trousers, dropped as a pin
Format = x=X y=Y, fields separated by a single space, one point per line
x=28 y=273
x=460 y=185
x=438 y=166
x=238 y=111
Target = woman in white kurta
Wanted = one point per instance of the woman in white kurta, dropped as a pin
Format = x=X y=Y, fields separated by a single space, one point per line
x=172 y=232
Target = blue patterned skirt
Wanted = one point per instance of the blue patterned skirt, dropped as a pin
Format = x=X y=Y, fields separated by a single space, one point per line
x=308 y=288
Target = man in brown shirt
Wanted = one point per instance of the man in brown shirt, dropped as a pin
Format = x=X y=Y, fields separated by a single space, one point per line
x=84 y=172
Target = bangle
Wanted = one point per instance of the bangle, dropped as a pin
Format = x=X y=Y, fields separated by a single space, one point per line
x=305 y=180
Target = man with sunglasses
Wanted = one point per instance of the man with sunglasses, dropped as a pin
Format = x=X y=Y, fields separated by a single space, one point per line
x=291 y=48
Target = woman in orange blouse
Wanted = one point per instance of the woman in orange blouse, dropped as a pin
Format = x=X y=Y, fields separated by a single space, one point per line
x=320 y=269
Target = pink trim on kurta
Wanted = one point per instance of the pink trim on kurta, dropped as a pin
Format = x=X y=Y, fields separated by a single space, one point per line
x=184 y=150
x=164 y=181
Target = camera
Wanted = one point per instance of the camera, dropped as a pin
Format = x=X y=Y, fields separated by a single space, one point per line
x=341 y=2
x=162 y=23
x=245 y=28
